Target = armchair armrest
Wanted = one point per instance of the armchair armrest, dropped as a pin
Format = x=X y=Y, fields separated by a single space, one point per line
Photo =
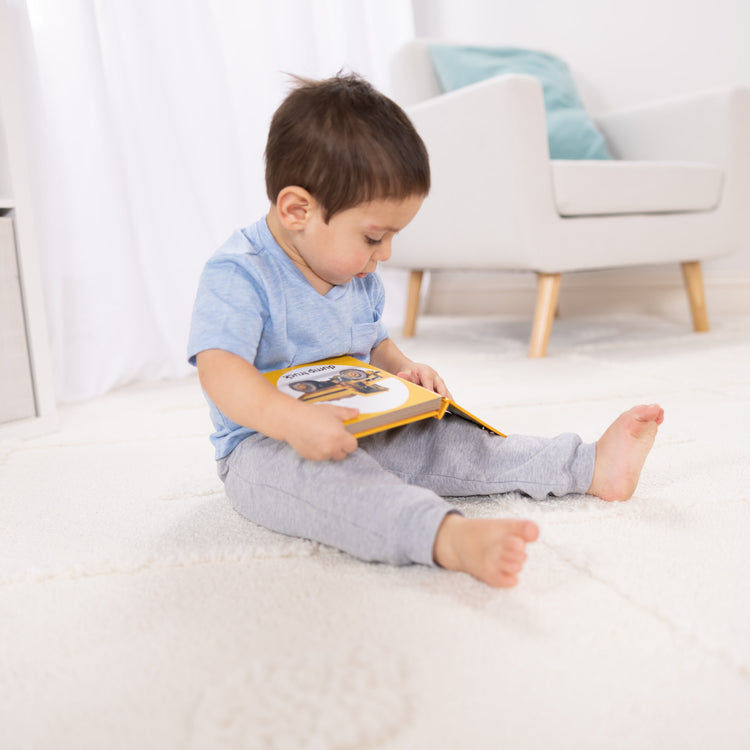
x=709 y=127
x=702 y=127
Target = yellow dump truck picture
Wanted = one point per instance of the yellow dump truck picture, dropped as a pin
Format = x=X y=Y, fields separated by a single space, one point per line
x=344 y=384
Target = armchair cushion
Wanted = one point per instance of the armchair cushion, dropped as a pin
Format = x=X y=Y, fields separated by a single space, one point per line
x=571 y=132
x=620 y=187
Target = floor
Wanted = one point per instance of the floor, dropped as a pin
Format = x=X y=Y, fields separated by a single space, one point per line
x=137 y=610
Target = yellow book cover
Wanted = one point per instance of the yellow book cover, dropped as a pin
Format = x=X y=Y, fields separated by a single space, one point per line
x=384 y=400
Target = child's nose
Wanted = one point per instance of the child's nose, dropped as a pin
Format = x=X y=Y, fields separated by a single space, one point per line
x=383 y=251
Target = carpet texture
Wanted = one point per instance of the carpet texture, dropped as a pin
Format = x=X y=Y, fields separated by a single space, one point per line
x=138 y=611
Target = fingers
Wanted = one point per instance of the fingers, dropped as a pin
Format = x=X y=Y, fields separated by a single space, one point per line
x=411 y=377
x=337 y=449
x=342 y=442
x=344 y=413
x=441 y=388
x=341 y=453
x=427 y=378
x=322 y=435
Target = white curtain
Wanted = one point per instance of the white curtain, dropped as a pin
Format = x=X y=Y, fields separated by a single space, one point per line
x=147 y=123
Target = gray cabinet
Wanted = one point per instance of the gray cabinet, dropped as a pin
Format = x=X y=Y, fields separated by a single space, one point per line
x=27 y=399
x=17 y=391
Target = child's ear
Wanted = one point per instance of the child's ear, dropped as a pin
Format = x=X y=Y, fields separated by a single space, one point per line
x=294 y=206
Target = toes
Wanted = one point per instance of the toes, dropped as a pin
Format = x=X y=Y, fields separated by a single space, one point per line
x=508 y=580
x=513 y=547
x=503 y=580
x=648 y=413
x=517 y=554
x=526 y=531
x=515 y=557
x=531 y=531
x=512 y=566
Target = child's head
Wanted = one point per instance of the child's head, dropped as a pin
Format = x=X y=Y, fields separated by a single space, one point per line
x=346 y=144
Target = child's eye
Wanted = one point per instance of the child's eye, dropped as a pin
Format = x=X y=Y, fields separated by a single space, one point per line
x=372 y=241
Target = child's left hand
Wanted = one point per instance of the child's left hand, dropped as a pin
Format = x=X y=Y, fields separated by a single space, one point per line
x=425 y=376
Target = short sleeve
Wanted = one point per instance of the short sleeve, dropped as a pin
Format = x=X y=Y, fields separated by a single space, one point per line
x=229 y=310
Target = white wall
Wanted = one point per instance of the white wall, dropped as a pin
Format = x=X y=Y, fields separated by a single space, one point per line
x=643 y=50
x=621 y=53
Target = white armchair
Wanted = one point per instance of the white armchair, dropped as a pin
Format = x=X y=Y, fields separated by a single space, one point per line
x=677 y=191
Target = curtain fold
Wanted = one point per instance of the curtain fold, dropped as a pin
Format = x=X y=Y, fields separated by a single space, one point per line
x=147 y=123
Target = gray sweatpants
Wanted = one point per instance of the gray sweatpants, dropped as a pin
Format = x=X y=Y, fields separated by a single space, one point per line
x=385 y=501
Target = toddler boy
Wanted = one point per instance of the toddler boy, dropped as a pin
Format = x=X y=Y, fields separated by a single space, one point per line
x=345 y=172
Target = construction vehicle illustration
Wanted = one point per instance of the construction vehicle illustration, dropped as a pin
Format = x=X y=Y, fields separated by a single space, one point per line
x=344 y=384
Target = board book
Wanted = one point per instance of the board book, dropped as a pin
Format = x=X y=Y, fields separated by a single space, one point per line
x=384 y=400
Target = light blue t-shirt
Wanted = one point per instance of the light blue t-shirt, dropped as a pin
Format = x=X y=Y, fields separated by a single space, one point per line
x=254 y=302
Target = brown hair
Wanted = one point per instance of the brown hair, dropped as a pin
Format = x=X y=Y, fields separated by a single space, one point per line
x=346 y=144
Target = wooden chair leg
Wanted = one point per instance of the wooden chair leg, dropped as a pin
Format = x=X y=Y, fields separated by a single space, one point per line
x=412 y=303
x=691 y=272
x=548 y=291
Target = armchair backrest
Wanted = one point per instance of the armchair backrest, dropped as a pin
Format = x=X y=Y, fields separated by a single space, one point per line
x=413 y=77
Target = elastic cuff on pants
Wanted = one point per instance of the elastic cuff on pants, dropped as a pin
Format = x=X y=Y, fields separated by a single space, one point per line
x=582 y=469
x=425 y=535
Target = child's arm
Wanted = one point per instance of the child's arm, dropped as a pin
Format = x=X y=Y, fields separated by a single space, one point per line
x=241 y=393
x=389 y=357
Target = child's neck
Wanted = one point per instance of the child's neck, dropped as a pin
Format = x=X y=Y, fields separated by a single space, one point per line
x=284 y=241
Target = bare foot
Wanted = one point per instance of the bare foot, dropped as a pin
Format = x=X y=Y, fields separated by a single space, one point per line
x=492 y=550
x=621 y=452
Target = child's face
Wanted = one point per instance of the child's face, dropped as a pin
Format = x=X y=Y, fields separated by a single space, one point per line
x=353 y=242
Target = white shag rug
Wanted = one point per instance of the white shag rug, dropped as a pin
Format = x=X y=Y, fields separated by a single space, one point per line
x=138 y=611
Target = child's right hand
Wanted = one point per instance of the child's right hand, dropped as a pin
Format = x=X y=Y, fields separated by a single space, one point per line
x=319 y=433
